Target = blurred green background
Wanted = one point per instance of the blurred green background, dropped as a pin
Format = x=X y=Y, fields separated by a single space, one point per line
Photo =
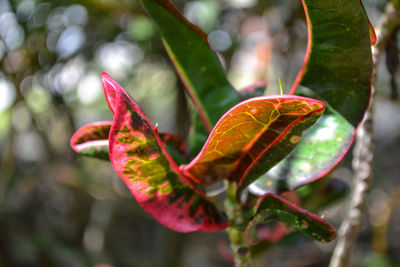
x=60 y=209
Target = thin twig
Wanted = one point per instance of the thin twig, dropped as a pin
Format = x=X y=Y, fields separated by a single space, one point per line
x=363 y=153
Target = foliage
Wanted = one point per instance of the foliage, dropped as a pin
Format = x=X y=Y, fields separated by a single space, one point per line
x=248 y=139
x=58 y=208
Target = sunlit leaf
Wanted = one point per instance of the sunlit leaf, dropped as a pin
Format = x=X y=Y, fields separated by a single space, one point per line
x=338 y=63
x=337 y=69
x=92 y=140
x=140 y=159
x=272 y=207
x=320 y=149
x=252 y=137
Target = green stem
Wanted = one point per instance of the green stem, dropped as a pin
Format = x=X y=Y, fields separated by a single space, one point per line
x=240 y=248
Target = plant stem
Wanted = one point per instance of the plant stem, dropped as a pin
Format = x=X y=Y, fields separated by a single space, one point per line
x=363 y=152
x=240 y=248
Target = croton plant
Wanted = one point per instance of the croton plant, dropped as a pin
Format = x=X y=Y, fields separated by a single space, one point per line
x=259 y=147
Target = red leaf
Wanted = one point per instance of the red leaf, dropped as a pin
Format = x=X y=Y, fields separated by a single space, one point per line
x=140 y=159
x=111 y=87
x=252 y=137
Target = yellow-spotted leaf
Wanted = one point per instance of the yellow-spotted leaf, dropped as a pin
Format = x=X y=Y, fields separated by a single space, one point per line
x=252 y=137
x=140 y=159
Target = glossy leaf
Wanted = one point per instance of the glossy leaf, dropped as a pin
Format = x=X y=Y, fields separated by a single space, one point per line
x=198 y=68
x=195 y=62
x=175 y=145
x=252 y=137
x=338 y=63
x=272 y=207
x=321 y=148
x=139 y=158
x=92 y=140
x=200 y=72
x=337 y=69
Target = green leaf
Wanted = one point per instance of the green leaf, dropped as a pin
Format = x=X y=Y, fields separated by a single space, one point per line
x=321 y=148
x=252 y=137
x=197 y=66
x=92 y=140
x=338 y=63
x=272 y=207
x=140 y=159
x=337 y=69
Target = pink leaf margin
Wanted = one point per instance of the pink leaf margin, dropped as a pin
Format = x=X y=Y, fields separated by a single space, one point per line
x=82 y=140
x=172 y=214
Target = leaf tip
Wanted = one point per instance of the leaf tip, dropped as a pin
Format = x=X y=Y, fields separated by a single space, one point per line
x=110 y=86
